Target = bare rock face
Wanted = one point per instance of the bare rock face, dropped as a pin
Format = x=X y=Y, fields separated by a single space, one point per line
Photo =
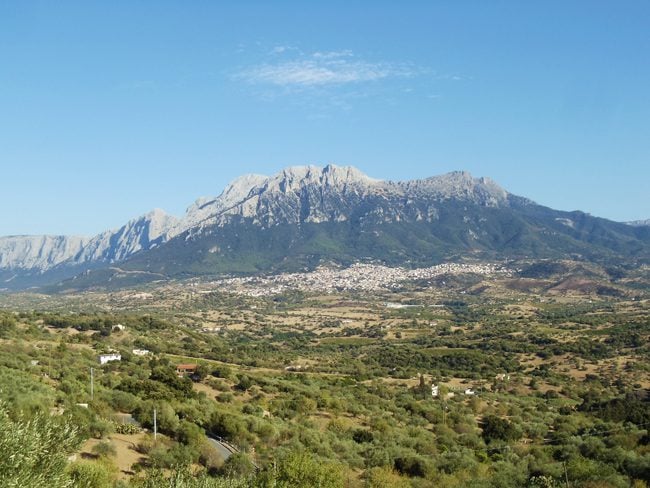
x=300 y=193
x=42 y=253
x=333 y=194
x=295 y=195
x=459 y=185
x=306 y=215
x=139 y=234
x=39 y=252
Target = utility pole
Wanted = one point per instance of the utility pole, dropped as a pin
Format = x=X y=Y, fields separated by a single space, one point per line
x=155 y=425
x=92 y=384
x=566 y=474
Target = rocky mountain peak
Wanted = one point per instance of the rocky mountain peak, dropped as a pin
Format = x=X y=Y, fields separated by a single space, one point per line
x=156 y=224
x=296 y=194
x=363 y=216
x=236 y=191
x=38 y=252
x=295 y=178
x=240 y=188
x=460 y=185
x=346 y=175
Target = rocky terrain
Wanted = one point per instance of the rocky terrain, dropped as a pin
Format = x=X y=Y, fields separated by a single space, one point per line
x=306 y=216
x=296 y=194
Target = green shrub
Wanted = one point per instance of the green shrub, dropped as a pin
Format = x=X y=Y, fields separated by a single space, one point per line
x=86 y=474
x=35 y=450
x=104 y=449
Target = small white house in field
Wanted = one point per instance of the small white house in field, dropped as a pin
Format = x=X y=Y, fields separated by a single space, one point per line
x=119 y=327
x=435 y=391
x=141 y=352
x=107 y=358
x=470 y=392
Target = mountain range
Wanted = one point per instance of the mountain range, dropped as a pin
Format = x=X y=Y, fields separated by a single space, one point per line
x=305 y=216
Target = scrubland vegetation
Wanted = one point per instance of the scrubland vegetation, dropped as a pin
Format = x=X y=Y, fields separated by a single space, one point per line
x=330 y=391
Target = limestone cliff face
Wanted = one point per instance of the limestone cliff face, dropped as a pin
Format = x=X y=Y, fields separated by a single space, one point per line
x=300 y=194
x=401 y=220
x=333 y=194
x=38 y=252
x=41 y=253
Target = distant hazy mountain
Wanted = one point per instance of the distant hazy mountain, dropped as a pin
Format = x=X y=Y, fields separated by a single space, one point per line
x=307 y=215
x=36 y=260
x=46 y=252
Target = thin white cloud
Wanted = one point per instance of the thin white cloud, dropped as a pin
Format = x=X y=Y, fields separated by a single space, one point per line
x=322 y=69
x=327 y=82
x=283 y=49
x=346 y=53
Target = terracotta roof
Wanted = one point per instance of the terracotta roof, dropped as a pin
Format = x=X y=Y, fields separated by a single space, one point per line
x=186 y=366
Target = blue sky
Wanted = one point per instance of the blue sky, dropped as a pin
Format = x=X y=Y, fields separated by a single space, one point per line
x=110 y=109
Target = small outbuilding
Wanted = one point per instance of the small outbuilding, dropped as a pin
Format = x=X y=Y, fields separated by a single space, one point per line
x=186 y=369
x=107 y=358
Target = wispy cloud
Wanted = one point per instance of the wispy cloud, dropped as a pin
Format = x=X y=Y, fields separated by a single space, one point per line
x=283 y=49
x=346 y=53
x=322 y=83
x=322 y=69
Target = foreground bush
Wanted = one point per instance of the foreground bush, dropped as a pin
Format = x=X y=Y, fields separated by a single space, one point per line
x=35 y=451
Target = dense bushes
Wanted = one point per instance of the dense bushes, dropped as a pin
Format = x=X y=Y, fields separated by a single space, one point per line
x=498 y=429
x=35 y=450
x=630 y=408
x=365 y=422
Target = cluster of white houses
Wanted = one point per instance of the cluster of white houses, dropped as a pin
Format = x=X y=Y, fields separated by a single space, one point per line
x=435 y=389
x=358 y=277
x=435 y=392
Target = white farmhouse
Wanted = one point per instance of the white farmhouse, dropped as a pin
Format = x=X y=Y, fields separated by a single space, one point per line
x=107 y=358
x=141 y=352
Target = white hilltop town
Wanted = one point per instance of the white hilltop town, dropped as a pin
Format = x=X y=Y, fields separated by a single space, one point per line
x=358 y=277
